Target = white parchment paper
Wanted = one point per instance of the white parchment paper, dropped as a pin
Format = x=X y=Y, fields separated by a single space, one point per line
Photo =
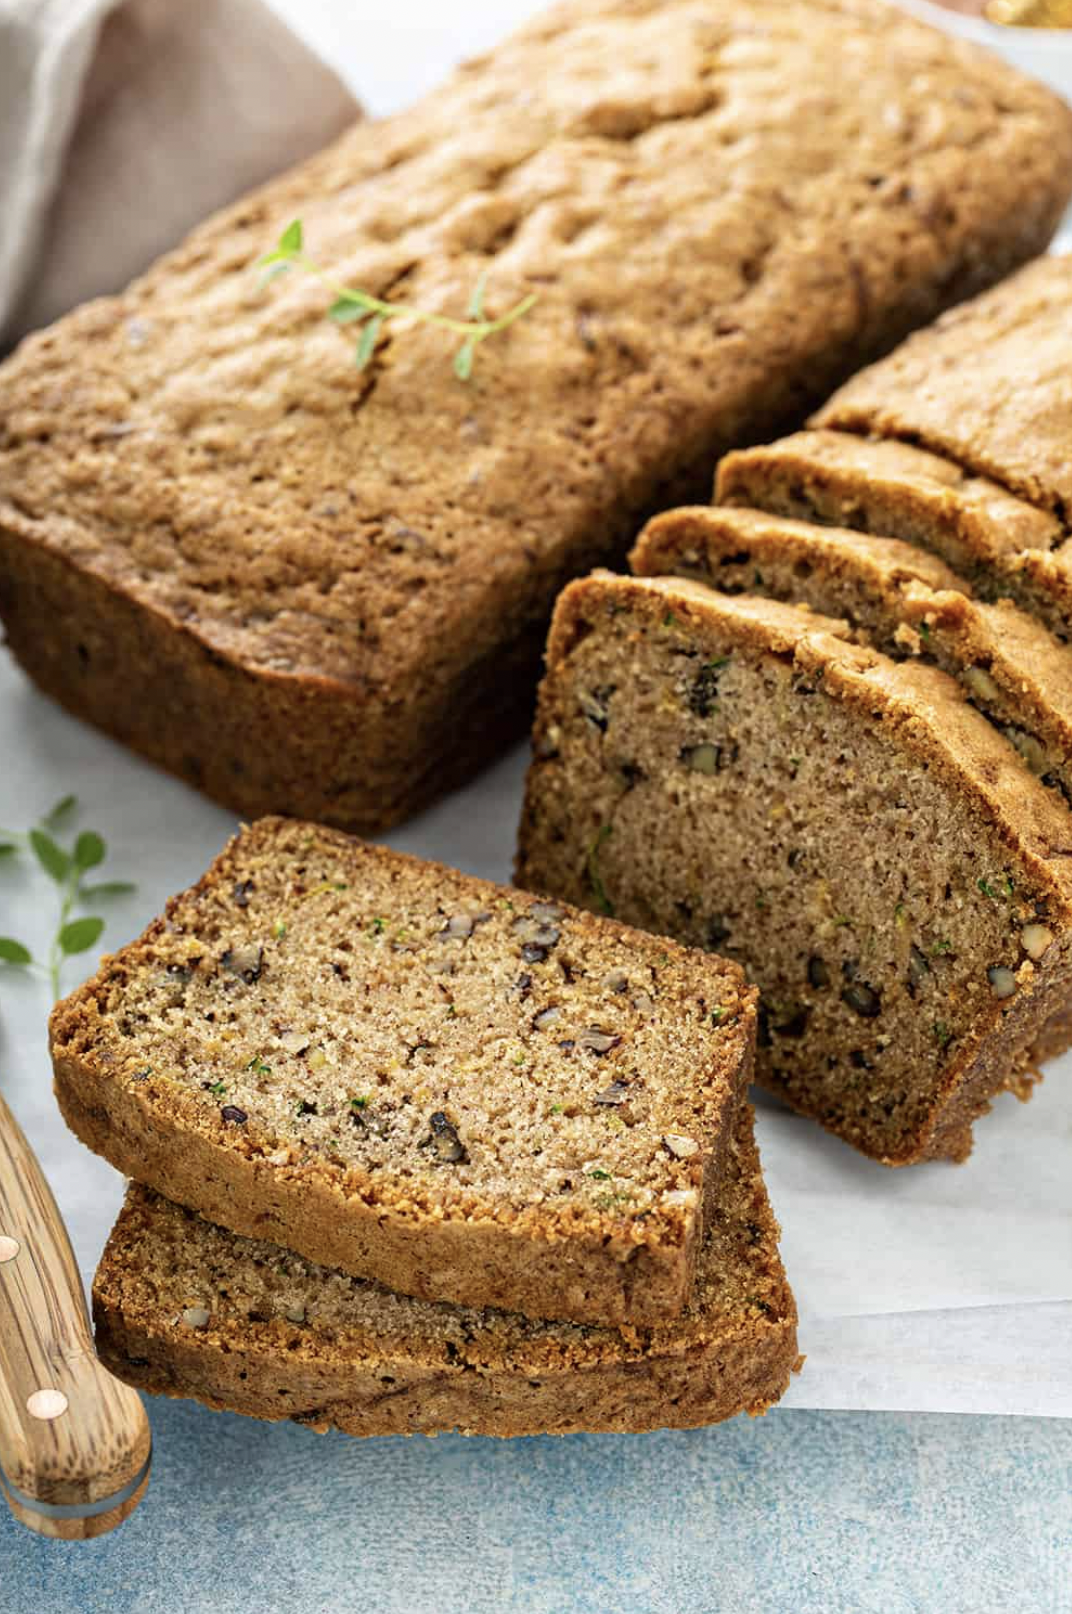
x=936 y=1288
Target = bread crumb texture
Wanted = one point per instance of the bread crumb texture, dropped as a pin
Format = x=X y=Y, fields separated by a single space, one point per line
x=895 y=597
x=451 y=1086
x=851 y=830
x=185 y=1309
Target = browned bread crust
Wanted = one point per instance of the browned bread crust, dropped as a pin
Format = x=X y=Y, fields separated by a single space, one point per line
x=309 y=589
x=987 y=386
x=417 y=1076
x=185 y=1309
x=849 y=827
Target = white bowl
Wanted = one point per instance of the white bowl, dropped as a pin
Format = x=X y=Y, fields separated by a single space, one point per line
x=1045 y=53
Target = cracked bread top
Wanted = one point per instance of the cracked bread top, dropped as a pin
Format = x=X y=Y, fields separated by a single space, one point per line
x=713 y=236
x=431 y=1054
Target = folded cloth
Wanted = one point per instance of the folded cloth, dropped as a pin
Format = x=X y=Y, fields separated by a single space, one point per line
x=123 y=124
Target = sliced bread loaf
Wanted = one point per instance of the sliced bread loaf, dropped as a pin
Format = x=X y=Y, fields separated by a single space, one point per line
x=849 y=828
x=901 y=600
x=185 y=1309
x=310 y=588
x=416 y=1076
x=960 y=441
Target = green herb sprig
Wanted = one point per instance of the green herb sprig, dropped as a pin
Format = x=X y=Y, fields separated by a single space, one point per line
x=351 y=306
x=67 y=868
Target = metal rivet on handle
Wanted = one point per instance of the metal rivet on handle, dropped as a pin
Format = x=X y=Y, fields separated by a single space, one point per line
x=9 y=1248
x=46 y=1404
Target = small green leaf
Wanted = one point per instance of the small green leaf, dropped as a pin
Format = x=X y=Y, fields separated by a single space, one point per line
x=13 y=952
x=369 y=337
x=293 y=237
x=108 y=888
x=463 y=359
x=52 y=858
x=80 y=935
x=476 y=301
x=63 y=809
x=8 y=848
x=89 y=850
x=346 y=310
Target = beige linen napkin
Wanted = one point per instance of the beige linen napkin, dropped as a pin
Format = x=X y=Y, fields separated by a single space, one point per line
x=124 y=122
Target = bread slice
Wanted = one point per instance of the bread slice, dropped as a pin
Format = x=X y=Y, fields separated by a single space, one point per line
x=986 y=386
x=416 y=1076
x=901 y=600
x=849 y=828
x=310 y=588
x=999 y=545
x=185 y=1309
x=959 y=441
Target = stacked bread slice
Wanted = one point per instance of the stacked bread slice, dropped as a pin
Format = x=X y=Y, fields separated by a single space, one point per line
x=417 y=1152
x=835 y=735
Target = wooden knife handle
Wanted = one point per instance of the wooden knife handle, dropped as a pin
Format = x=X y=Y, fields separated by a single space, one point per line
x=74 y=1443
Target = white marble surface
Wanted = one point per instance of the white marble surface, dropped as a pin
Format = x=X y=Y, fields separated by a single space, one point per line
x=936 y=1289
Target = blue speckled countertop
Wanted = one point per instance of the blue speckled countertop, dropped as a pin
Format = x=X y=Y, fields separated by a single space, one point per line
x=795 y=1513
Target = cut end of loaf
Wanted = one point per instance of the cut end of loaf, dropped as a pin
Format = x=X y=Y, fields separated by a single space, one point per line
x=852 y=832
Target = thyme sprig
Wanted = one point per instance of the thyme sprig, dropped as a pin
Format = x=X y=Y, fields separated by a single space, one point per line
x=67 y=868
x=351 y=306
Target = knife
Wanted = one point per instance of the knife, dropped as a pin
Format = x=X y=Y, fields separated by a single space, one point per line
x=75 y=1445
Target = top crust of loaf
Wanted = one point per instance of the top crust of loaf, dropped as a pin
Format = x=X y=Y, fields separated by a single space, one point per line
x=989 y=384
x=443 y=1084
x=926 y=706
x=210 y=450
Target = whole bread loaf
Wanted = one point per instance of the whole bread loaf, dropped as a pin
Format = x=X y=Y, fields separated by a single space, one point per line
x=320 y=590
x=735 y=771
x=443 y=1084
x=185 y=1309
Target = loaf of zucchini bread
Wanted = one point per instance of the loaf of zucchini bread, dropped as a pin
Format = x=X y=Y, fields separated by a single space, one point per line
x=735 y=771
x=903 y=600
x=448 y=1086
x=185 y=1309
x=958 y=442
x=311 y=588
